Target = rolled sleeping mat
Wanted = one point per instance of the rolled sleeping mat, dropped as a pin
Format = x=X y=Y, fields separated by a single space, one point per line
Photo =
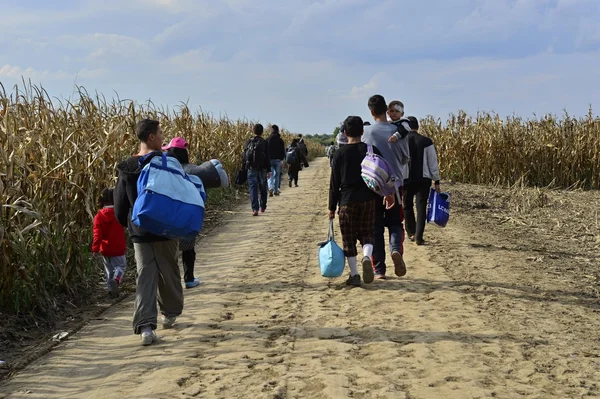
x=213 y=174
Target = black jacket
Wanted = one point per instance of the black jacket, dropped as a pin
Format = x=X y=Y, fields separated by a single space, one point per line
x=265 y=148
x=125 y=195
x=302 y=161
x=276 y=147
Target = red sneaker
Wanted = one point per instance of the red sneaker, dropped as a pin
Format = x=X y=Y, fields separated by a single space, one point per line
x=262 y=210
x=254 y=213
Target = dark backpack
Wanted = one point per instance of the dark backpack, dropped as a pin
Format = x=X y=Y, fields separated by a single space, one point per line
x=255 y=154
x=291 y=156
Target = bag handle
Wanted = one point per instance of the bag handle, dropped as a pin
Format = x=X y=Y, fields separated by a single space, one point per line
x=331 y=235
x=370 y=149
x=164 y=160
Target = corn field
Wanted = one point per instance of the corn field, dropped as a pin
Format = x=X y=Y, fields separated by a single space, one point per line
x=548 y=151
x=55 y=158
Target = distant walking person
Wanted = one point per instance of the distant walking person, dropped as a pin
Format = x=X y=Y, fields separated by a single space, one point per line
x=155 y=256
x=258 y=163
x=330 y=151
x=423 y=168
x=302 y=146
x=295 y=159
x=277 y=155
x=341 y=138
x=397 y=155
x=109 y=241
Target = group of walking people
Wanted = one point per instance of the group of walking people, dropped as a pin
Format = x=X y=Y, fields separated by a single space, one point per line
x=263 y=163
x=363 y=213
x=158 y=283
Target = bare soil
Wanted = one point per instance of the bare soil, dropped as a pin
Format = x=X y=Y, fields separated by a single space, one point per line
x=502 y=303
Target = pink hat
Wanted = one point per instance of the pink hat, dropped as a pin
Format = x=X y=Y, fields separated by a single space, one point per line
x=177 y=142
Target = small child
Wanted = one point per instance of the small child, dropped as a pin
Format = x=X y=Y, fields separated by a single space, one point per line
x=356 y=201
x=396 y=117
x=109 y=241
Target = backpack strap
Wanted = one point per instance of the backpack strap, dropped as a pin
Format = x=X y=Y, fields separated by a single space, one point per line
x=370 y=149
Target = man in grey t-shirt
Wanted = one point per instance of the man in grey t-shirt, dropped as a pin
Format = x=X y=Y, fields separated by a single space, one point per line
x=397 y=155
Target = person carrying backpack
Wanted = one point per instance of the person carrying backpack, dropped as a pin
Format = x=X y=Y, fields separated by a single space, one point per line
x=257 y=162
x=295 y=159
x=155 y=255
x=356 y=201
x=397 y=155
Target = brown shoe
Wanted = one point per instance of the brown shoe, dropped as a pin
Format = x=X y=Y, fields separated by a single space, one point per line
x=399 y=265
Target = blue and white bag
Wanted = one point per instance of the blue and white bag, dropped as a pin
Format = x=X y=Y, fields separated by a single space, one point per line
x=331 y=256
x=438 y=208
x=170 y=202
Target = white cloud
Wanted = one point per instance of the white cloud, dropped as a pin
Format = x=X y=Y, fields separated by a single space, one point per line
x=367 y=89
x=307 y=64
x=14 y=71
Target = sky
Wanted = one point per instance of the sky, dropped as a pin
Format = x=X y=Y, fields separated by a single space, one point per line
x=307 y=64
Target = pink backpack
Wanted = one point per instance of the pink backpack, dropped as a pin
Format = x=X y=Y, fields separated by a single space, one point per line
x=378 y=174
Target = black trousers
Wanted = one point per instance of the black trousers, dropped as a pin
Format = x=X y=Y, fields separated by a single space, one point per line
x=416 y=192
x=188 y=258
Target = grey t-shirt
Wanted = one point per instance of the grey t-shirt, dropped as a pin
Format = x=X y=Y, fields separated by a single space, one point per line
x=397 y=154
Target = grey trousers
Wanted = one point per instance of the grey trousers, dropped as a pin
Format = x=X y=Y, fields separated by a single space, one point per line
x=157 y=269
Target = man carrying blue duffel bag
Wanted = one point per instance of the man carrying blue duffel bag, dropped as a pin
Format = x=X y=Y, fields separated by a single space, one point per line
x=154 y=230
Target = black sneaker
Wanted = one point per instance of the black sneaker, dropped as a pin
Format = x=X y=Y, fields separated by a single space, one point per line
x=420 y=242
x=368 y=273
x=290 y=183
x=354 y=281
x=271 y=193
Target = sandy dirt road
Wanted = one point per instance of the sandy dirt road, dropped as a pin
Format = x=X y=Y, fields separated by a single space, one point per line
x=464 y=323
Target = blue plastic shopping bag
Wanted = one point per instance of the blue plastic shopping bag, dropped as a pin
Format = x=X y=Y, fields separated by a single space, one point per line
x=438 y=208
x=331 y=256
x=170 y=202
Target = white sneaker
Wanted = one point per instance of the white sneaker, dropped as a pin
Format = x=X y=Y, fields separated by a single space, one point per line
x=168 y=321
x=148 y=337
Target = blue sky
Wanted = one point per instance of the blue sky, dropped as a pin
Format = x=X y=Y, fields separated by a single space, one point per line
x=307 y=64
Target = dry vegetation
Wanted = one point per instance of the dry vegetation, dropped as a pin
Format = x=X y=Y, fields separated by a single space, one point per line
x=55 y=158
x=541 y=152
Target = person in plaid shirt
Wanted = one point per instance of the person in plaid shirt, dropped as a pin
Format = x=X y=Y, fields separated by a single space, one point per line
x=356 y=202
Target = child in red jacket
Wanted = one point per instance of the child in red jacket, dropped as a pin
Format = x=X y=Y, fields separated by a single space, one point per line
x=109 y=240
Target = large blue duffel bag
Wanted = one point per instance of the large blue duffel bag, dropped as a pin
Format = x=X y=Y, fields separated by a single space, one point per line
x=170 y=202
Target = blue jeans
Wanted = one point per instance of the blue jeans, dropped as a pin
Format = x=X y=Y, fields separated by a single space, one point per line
x=257 y=180
x=392 y=219
x=275 y=180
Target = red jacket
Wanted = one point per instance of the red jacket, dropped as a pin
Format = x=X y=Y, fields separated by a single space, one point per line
x=109 y=235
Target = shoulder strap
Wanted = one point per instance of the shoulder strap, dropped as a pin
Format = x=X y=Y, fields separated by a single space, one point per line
x=370 y=149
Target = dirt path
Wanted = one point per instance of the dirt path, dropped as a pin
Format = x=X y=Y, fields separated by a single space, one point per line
x=465 y=323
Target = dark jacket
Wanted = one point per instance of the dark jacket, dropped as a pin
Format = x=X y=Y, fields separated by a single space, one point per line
x=302 y=146
x=265 y=148
x=276 y=147
x=300 y=157
x=423 y=166
x=125 y=195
